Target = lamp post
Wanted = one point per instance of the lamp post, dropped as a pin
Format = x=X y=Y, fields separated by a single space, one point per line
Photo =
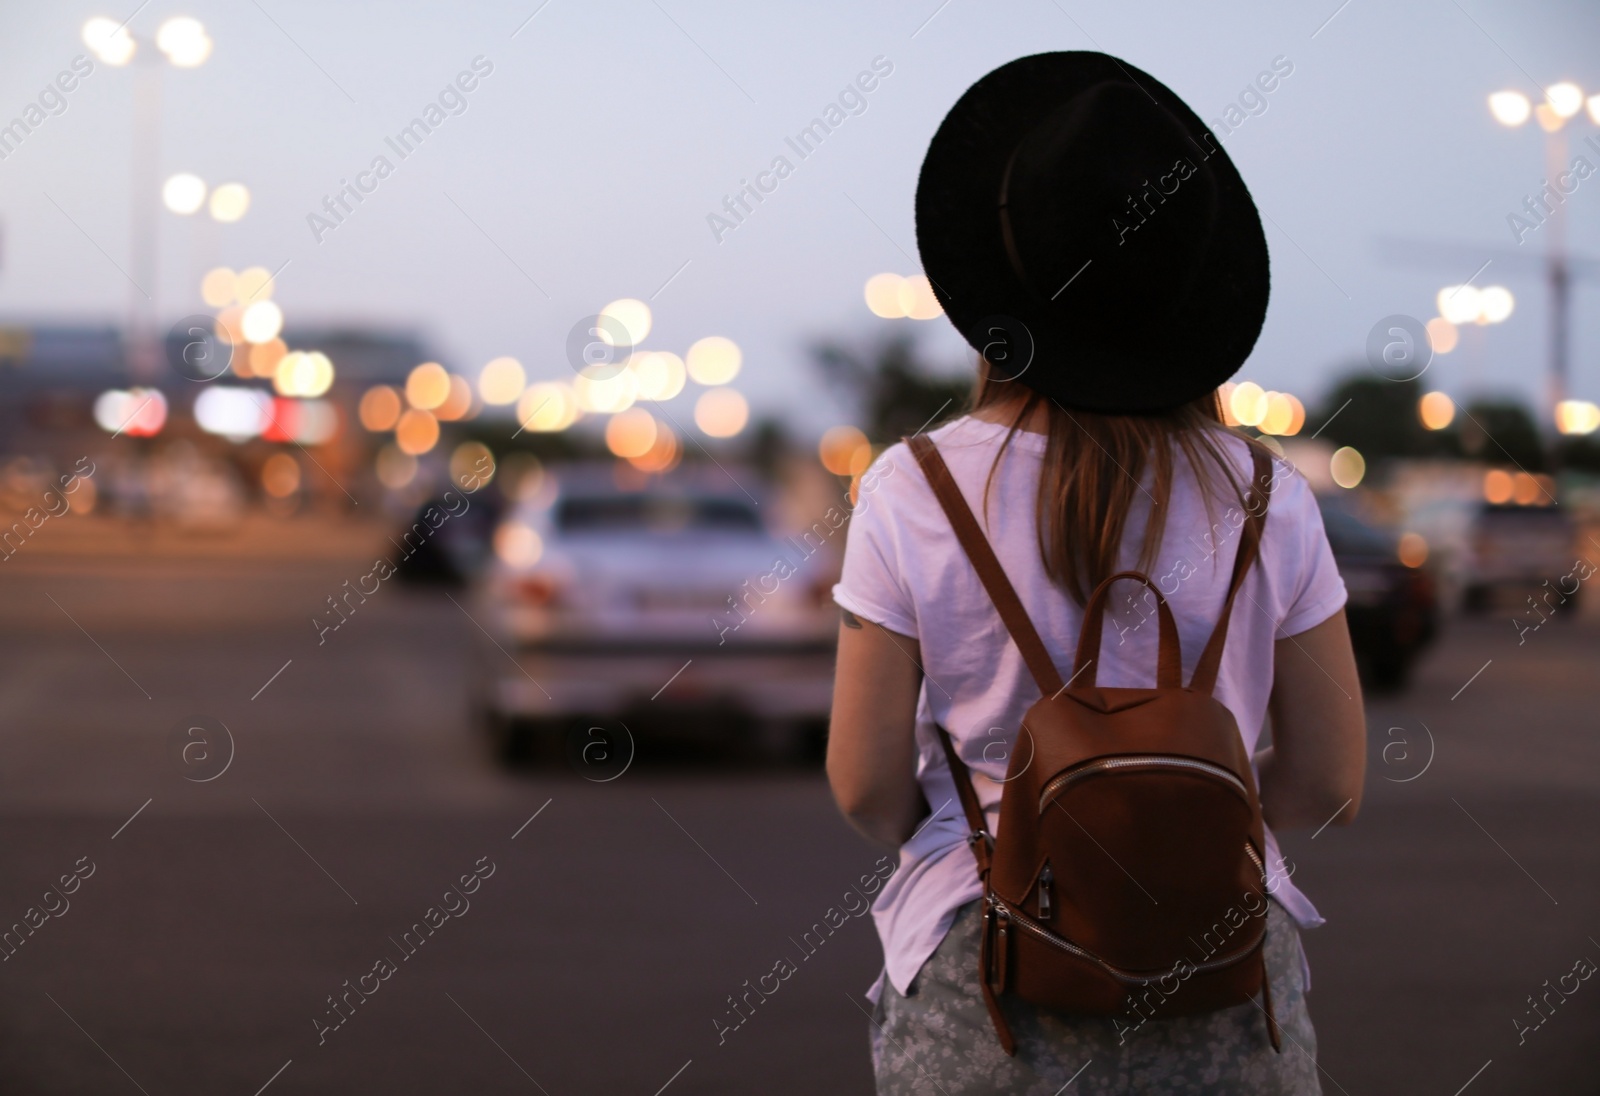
x=184 y=43
x=1563 y=102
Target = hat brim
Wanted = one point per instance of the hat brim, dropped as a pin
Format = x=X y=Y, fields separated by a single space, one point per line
x=1118 y=361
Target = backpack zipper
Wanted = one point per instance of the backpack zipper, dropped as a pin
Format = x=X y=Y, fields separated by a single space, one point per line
x=1059 y=782
x=1047 y=880
x=1007 y=915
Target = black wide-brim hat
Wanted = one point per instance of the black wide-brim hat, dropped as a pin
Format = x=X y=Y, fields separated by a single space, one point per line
x=1090 y=238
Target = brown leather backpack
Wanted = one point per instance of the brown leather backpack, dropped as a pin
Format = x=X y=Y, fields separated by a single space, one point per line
x=1127 y=876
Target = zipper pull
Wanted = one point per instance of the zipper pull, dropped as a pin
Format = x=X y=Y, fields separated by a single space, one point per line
x=1002 y=942
x=1047 y=886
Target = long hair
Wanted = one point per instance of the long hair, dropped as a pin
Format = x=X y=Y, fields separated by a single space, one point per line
x=1093 y=473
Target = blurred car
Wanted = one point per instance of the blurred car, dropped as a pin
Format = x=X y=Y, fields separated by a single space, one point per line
x=661 y=597
x=457 y=549
x=1392 y=608
x=1513 y=547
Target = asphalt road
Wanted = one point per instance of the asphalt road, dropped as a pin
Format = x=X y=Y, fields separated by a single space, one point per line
x=611 y=922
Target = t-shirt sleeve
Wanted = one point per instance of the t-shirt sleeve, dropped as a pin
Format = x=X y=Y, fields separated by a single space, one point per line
x=871 y=583
x=1313 y=587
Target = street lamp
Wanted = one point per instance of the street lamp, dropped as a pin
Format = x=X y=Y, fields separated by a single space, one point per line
x=1562 y=102
x=184 y=194
x=184 y=43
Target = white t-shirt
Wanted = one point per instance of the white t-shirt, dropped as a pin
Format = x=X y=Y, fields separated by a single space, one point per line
x=904 y=569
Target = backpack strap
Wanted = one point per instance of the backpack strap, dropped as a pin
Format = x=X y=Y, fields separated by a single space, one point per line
x=1255 y=505
x=993 y=576
x=978 y=835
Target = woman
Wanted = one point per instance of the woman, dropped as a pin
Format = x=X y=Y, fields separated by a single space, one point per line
x=1105 y=259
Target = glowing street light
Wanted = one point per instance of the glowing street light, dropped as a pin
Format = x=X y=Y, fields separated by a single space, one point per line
x=184 y=41
x=1510 y=108
x=184 y=193
x=1464 y=304
x=109 y=41
x=1565 y=98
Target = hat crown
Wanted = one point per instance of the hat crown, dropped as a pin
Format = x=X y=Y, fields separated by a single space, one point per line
x=1108 y=200
x=1078 y=204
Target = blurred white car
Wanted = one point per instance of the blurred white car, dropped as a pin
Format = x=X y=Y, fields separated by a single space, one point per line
x=657 y=598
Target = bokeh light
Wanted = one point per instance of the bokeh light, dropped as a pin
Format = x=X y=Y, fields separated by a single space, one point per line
x=633 y=315
x=604 y=390
x=721 y=412
x=631 y=433
x=261 y=322
x=255 y=284
x=458 y=404
x=280 y=475
x=1565 y=98
x=219 y=287
x=1458 y=303
x=664 y=453
x=517 y=545
x=380 y=408
x=1497 y=486
x=1285 y=415
x=231 y=412
x=1413 y=549
x=109 y=40
x=428 y=386
x=1442 y=335
x=229 y=202
x=417 y=432
x=1510 y=108
x=714 y=360
x=883 y=296
x=1347 y=467
x=1577 y=417
x=1248 y=401
x=840 y=449
x=1525 y=490
x=136 y=413
x=1225 y=402
x=547 y=407
x=263 y=359
x=917 y=300
x=1495 y=304
x=501 y=381
x=395 y=469
x=661 y=374
x=183 y=193
x=303 y=373
x=1436 y=410
x=184 y=41
x=227 y=325
x=471 y=465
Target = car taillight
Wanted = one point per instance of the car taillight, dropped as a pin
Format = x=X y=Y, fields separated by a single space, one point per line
x=536 y=590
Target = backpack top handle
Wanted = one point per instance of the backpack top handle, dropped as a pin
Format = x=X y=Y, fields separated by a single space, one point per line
x=1169 y=659
x=1034 y=653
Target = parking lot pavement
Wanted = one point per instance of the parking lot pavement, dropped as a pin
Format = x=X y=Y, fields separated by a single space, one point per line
x=610 y=924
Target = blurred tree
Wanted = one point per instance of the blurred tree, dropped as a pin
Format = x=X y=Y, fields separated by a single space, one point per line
x=1381 y=419
x=769 y=443
x=1581 y=454
x=895 y=392
x=1500 y=430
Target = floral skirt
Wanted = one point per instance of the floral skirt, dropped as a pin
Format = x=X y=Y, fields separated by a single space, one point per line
x=938 y=1039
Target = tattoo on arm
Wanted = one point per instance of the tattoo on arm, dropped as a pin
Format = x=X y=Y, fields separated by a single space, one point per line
x=850 y=619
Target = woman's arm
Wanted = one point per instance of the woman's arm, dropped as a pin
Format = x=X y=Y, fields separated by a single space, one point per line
x=872 y=751
x=1318 y=760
